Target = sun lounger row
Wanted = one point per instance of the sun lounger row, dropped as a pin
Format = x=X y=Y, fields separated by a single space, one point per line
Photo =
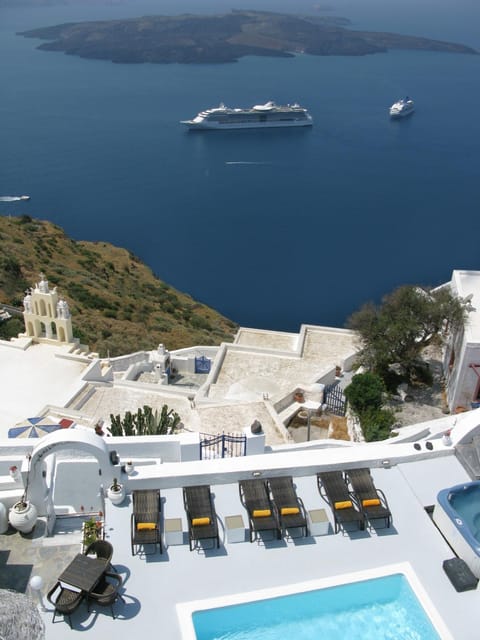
x=353 y=497
x=272 y=504
x=145 y=526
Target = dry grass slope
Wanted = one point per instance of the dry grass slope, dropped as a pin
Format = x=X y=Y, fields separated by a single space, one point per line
x=117 y=303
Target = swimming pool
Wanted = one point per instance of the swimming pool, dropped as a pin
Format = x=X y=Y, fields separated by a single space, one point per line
x=383 y=608
x=457 y=515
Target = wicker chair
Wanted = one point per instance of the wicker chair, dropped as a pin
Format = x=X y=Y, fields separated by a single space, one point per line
x=106 y=591
x=102 y=549
x=372 y=501
x=262 y=512
x=145 y=520
x=201 y=516
x=64 y=601
x=344 y=504
x=290 y=509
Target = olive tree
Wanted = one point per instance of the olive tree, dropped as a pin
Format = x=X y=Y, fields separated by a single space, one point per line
x=409 y=319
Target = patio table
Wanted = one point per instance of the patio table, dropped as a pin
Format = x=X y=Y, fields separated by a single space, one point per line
x=82 y=573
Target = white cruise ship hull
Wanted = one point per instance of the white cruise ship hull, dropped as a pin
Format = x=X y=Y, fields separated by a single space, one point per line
x=401 y=114
x=402 y=108
x=262 y=116
x=243 y=125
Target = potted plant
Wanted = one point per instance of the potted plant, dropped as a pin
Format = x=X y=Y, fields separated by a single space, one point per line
x=92 y=530
x=116 y=492
x=23 y=515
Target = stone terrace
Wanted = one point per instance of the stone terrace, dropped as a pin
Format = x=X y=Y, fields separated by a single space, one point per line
x=154 y=585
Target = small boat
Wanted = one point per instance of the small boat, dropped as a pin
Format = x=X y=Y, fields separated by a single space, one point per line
x=401 y=108
x=24 y=197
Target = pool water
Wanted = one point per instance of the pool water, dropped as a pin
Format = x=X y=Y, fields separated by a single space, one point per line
x=467 y=505
x=381 y=608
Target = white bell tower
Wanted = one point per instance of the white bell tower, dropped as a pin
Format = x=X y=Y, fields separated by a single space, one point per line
x=46 y=315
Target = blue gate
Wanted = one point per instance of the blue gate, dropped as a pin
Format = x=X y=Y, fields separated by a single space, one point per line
x=202 y=364
x=222 y=445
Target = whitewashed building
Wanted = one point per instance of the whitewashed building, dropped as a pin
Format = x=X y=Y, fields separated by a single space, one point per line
x=462 y=354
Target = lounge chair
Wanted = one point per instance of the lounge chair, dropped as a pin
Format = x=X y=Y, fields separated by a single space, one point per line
x=372 y=501
x=334 y=490
x=145 y=520
x=64 y=601
x=201 y=516
x=262 y=512
x=290 y=509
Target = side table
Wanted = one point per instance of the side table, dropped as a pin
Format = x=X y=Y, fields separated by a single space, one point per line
x=173 y=531
x=235 y=528
x=318 y=522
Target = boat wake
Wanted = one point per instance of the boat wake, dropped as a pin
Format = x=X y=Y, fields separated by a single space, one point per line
x=246 y=162
x=13 y=198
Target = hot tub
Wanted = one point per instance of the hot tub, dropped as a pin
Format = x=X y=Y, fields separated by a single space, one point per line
x=457 y=515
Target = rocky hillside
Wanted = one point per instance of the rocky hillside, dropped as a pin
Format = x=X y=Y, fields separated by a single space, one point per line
x=117 y=304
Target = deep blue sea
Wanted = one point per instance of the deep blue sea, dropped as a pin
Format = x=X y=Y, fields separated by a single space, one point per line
x=318 y=222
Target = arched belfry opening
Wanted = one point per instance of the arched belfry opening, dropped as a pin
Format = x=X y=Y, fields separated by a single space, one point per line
x=47 y=316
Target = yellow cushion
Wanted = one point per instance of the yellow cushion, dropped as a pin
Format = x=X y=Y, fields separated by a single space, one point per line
x=372 y=502
x=146 y=526
x=346 y=504
x=261 y=513
x=289 y=511
x=198 y=522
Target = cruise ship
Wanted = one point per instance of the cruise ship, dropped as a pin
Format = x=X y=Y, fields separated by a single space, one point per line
x=402 y=108
x=258 y=116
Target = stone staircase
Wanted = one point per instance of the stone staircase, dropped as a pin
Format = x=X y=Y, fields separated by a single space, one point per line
x=469 y=456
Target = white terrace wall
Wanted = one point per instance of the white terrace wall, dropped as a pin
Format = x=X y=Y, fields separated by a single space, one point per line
x=123 y=362
x=306 y=462
x=183 y=360
x=463 y=380
x=74 y=465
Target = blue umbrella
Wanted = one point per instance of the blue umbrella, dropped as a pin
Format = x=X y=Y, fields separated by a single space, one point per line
x=34 y=428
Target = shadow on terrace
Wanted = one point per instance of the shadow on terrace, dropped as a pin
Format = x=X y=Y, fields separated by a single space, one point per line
x=72 y=479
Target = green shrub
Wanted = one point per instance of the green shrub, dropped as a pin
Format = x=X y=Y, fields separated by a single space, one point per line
x=11 y=266
x=377 y=424
x=199 y=322
x=365 y=392
x=88 y=298
x=11 y=328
